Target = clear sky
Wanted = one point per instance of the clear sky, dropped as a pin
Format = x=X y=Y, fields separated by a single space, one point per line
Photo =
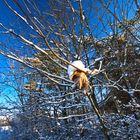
x=7 y=18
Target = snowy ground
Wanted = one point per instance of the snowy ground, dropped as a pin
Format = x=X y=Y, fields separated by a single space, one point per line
x=5 y=133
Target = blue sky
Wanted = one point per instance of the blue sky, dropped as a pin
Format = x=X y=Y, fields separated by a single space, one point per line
x=6 y=18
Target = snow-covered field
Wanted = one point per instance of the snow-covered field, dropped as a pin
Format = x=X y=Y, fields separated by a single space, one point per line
x=5 y=133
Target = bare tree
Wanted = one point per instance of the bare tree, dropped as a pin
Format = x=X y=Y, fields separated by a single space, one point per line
x=102 y=34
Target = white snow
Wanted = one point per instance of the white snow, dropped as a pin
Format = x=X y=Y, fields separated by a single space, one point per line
x=79 y=64
x=3 y=128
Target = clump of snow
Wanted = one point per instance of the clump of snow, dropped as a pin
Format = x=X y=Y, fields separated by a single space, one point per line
x=79 y=64
x=5 y=128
